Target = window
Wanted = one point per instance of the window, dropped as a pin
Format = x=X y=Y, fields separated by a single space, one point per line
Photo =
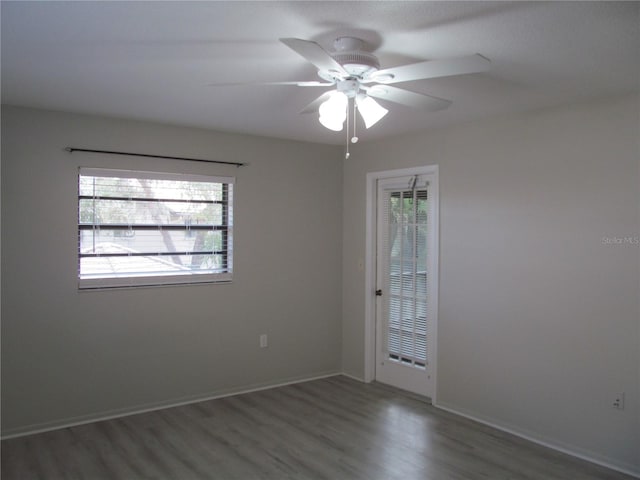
x=147 y=228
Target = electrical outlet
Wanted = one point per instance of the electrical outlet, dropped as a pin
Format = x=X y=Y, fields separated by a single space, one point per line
x=618 y=401
x=263 y=340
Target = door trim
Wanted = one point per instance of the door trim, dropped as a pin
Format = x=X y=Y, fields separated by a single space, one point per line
x=370 y=266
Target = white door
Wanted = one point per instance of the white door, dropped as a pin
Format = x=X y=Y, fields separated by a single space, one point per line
x=406 y=279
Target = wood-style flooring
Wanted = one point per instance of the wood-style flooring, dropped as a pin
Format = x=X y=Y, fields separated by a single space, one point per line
x=334 y=428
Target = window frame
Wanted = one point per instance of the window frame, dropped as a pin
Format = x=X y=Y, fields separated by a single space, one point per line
x=150 y=279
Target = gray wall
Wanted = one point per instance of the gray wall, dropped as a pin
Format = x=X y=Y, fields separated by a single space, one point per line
x=539 y=320
x=69 y=355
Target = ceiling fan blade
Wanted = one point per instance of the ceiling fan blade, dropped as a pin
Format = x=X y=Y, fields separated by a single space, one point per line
x=433 y=69
x=405 y=97
x=315 y=54
x=299 y=84
x=315 y=105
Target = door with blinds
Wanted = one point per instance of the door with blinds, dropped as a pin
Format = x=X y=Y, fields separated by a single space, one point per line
x=406 y=276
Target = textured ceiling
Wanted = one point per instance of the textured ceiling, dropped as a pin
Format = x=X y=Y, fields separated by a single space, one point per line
x=154 y=60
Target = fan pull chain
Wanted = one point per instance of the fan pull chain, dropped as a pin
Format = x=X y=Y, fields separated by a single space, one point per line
x=354 y=139
x=346 y=155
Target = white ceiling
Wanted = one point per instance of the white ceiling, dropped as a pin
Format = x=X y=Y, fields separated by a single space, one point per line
x=154 y=60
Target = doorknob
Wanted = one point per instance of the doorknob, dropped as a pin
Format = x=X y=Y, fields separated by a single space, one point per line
x=378 y=293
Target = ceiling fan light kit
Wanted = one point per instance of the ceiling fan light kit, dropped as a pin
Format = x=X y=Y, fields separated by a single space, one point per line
x=333 y=111
x=370 y=110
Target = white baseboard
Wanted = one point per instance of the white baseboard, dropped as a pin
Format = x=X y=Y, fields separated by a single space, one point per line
x=545 y=442
x=150 y=407
x=353 y=377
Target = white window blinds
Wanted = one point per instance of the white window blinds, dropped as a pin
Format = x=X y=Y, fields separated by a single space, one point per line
x=148 y=228
x=405 y=275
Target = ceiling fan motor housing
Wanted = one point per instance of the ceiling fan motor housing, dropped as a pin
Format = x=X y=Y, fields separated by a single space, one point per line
x=357 y=63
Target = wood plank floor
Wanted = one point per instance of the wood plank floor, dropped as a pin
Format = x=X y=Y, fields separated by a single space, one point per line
x=335 y=428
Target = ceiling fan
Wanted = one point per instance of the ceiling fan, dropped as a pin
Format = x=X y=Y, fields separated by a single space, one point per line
x=356 y=75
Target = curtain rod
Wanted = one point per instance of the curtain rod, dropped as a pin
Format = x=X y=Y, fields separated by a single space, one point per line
x=73 y=149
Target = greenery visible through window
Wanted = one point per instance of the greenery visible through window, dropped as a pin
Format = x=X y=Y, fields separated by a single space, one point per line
x=146 y=228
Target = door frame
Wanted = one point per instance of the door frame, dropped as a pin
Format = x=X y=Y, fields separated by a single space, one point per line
x=370 y=266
